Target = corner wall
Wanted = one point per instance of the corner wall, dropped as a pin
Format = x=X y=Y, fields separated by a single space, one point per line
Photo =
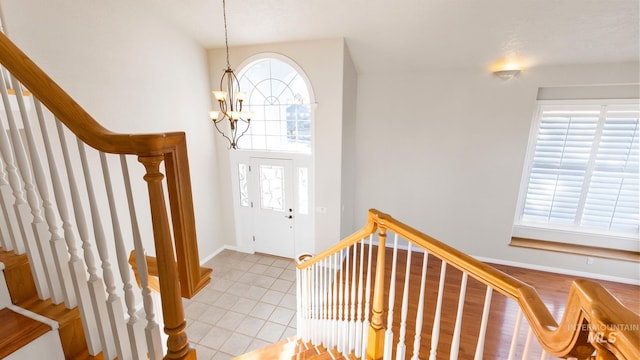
x=322 y=61
x=446 y=156
x=133 y=73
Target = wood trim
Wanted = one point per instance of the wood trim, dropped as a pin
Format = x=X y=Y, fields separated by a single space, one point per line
x=17 y=331
x=588 y=302
x=586 y=250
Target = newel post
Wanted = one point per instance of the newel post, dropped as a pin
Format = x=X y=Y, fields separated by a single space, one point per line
x=375 y=345
x=172 y=310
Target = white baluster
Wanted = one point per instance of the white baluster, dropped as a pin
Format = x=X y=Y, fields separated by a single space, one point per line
x=7 y=230
x=359 y=319
x=435 y=332
x=483 y=324
x=299 y=302
x=341 y=303
x=322 y=301
x=419 y=314
x=352 y=317
x=401 y=348
x=388 y=335
x=55 y=247
x=64 y=272
x=455 y=342
x=152 y=329
x=516 y=332
x=367 y=297
x=334 y=302
x=98 y=298
x=31 y=240
x=114 y=302
x=347 y=291
x=527 y=345
x=83 y=291
x=544 y=355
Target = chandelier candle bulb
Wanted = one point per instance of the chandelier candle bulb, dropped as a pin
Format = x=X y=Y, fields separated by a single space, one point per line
x=220 y=95
x=214 y=114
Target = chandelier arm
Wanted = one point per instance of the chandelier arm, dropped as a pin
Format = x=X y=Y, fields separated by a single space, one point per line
x=215 y=123
x=245 y=129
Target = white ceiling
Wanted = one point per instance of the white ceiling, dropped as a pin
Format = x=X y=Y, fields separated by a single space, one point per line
x=417 y=34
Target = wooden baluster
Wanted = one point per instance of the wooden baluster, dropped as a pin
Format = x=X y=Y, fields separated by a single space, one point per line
x=367 y=298
x=455 y=342
x=401 y=348
x=31 y=239
x=516 y=333
x=152 y=329
x=97 y=286
x=419 y=313
x=64 y=272
x=83 y=289
x=300 y=301
x=388 y=338
x=114 y=303
x=359 y=319
x=375 y=347
x=55 y=246
x=483 y=324
x=435 y=332
x=173 y=312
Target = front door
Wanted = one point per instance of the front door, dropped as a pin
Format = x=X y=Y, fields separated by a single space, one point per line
x=273 y=213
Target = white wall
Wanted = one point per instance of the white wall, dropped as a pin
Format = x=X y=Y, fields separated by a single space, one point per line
x=443 y=151
x=349 y=175
x=322 y=61
x=133 y=73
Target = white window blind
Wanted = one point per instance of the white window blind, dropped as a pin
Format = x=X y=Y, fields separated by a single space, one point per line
x=582 y=173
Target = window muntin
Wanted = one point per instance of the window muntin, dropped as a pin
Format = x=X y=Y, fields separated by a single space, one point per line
x=278 y=96
x=582 y=174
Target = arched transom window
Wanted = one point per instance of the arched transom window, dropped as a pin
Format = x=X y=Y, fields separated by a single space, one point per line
x=278 y=96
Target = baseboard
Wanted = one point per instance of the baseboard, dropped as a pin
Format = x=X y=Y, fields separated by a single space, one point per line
x=582 y=274
x=216 y=252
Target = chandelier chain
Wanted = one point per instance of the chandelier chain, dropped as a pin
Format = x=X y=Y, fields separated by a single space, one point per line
x=226 y=40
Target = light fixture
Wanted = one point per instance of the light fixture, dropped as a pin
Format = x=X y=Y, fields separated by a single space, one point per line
x=507 y=74
x=230 y=100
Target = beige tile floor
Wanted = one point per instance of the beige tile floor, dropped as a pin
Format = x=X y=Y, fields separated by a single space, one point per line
x=250 y=303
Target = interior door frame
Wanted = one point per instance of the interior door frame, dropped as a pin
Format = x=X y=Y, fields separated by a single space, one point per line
x=304 y=231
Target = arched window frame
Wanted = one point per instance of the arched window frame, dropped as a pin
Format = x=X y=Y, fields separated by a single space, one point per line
x=245 y=66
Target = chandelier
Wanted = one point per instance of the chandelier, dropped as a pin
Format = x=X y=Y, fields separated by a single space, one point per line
x=230 y=100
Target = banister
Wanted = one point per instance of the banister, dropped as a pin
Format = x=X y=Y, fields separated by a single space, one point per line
x=181 y=276
x=74 y=116
x=590 y=308
x=170 y=145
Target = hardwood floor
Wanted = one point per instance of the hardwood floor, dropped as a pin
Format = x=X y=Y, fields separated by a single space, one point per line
x=553 y=289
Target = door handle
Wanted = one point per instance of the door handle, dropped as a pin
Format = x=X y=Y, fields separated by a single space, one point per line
x=289 y=216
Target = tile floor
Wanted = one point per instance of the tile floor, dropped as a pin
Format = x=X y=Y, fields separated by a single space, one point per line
x=250 y=303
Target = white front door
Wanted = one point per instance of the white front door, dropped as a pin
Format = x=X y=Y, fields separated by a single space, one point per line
x=271 y=182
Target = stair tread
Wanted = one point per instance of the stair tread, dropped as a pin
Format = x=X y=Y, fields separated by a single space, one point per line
x=17 y=330
x=50 y=310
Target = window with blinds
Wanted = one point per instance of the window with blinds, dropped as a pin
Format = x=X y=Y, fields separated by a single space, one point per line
x=582 y=174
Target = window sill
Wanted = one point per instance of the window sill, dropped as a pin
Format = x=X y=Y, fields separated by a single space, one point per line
x=595 y=251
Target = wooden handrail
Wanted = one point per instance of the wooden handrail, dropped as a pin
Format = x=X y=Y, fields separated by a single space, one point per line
x=172 y=146
x=590 y=308
x=180 y=277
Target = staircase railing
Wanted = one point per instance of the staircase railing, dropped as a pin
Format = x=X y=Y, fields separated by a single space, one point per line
x=462 y=308
x=47 y=187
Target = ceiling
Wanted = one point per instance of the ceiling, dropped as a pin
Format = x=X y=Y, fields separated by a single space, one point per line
x=419 y=34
